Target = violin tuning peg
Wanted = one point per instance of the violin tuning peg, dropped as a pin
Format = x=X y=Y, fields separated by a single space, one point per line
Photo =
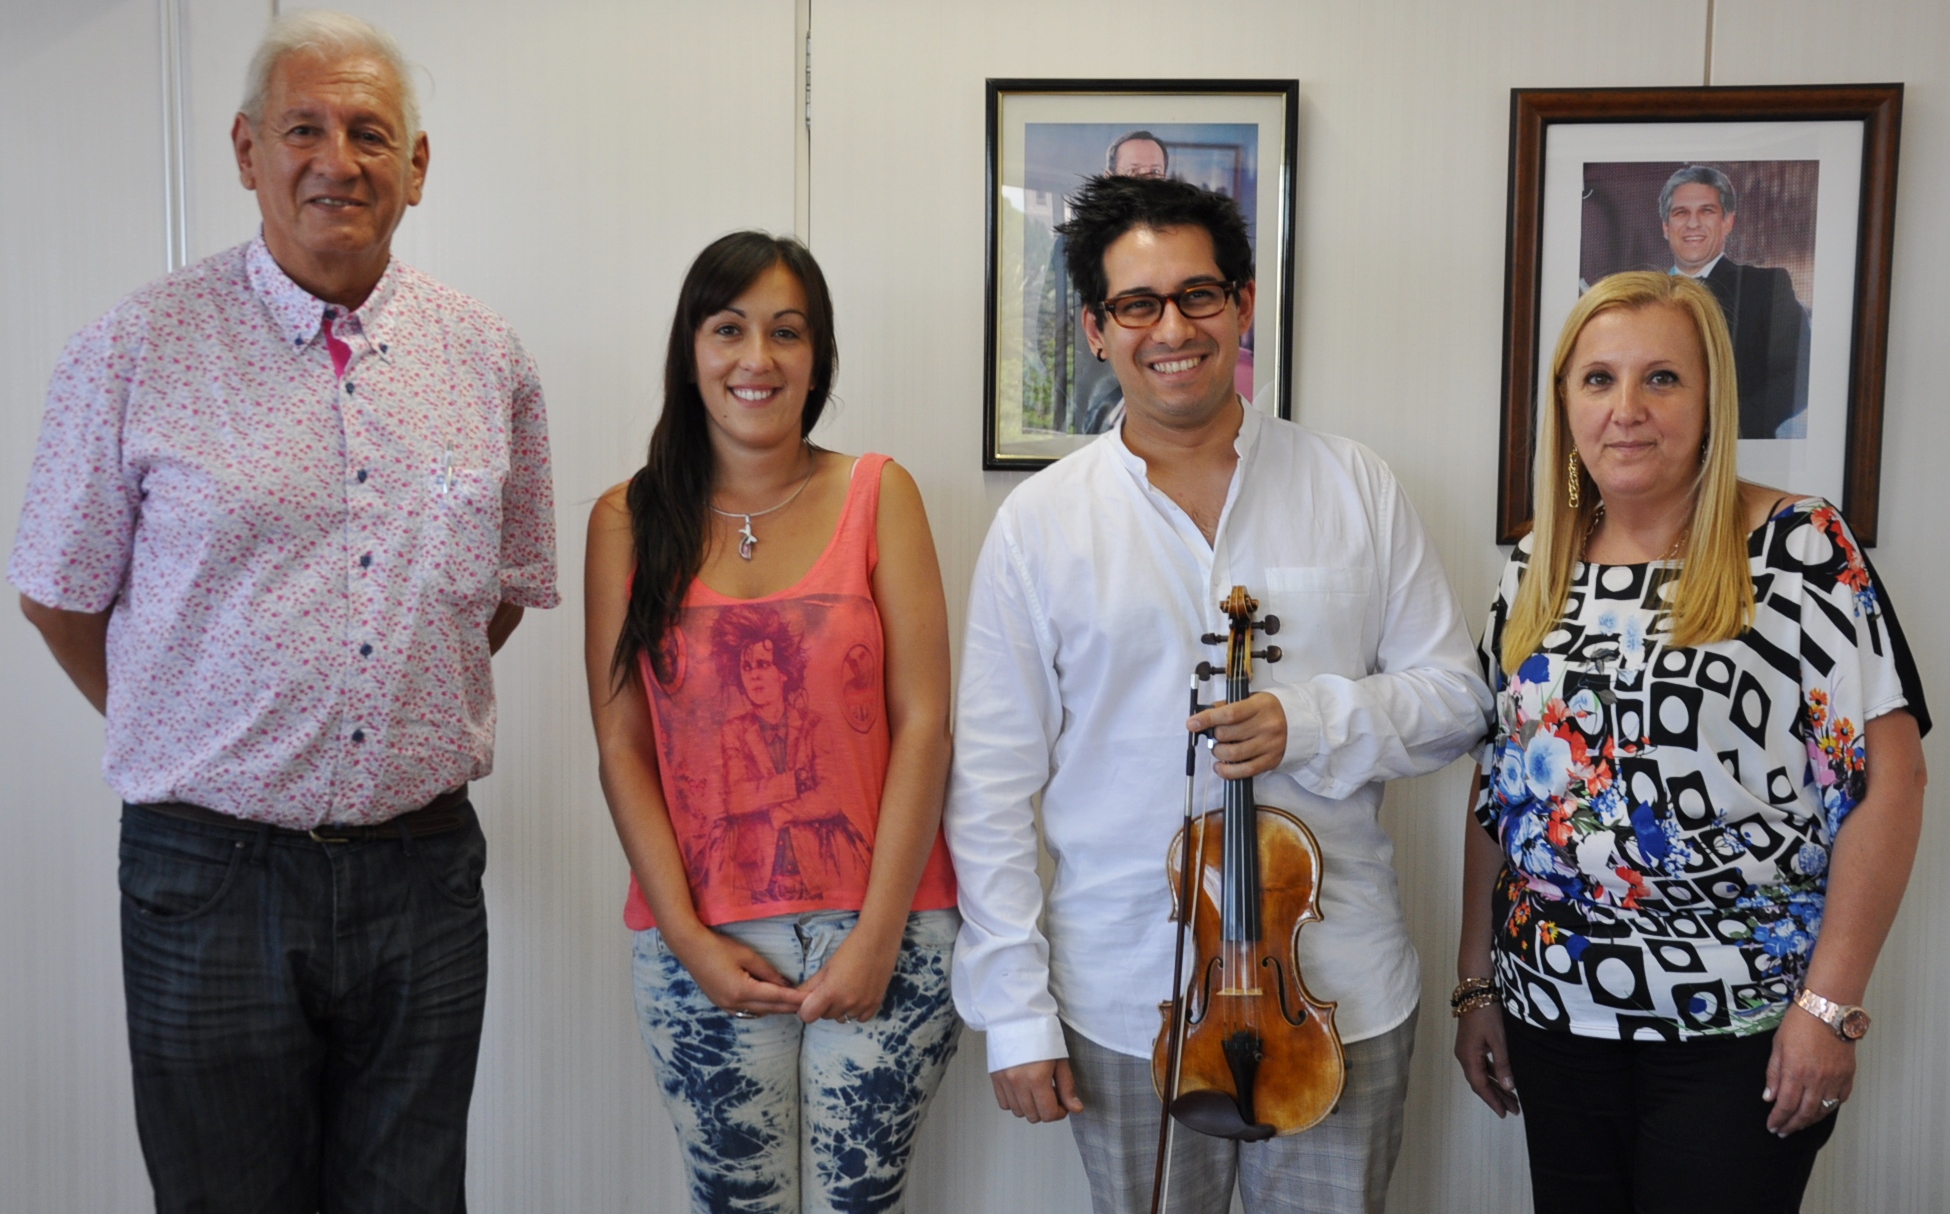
x=1211 y=638
x=1272 y=653
x=1270 y=625
x=1207 y=670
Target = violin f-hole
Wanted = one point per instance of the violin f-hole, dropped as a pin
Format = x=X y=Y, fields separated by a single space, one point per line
x=1196 y=1009
x=1279 y=982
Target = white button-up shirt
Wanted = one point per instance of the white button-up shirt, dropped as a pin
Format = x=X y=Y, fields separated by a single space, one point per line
x=1083 y=629
x=302 y=564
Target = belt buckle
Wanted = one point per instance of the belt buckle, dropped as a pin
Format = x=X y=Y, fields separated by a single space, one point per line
x=318 y=838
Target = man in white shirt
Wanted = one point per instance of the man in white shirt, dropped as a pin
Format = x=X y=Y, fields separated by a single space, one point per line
x=1096 y=582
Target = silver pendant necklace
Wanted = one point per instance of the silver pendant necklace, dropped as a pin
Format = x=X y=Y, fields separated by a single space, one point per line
x=746 y=540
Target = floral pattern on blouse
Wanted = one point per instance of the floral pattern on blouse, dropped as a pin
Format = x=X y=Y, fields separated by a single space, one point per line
x=1666 y=814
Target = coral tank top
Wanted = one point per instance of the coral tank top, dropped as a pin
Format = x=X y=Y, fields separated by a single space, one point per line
x=772 y=737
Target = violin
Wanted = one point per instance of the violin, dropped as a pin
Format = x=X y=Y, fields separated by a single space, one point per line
x=1245 y=1051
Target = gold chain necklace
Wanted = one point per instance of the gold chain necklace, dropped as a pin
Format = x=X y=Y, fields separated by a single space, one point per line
x=1598 y=516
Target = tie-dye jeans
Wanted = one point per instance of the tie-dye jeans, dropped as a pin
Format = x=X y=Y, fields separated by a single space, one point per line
x=781 y=1117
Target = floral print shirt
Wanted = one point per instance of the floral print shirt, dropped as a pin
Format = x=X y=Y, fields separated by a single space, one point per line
x=304 y=519
x=1666 y=814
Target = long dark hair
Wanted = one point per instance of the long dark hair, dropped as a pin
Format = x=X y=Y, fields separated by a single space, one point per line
x=670 y=496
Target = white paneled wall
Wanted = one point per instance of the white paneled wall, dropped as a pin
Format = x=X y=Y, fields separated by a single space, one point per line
x=82 y=215
x=1888 y=1155
x=217 y=38
x=582 y=153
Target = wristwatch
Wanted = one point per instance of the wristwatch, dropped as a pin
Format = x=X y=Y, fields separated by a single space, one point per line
x=1848 y=1020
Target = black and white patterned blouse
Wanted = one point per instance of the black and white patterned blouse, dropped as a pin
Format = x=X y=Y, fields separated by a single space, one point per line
x=1666 y=814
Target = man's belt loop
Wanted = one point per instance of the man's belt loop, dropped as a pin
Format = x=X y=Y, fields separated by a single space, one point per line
x=260 y=841
x=405 y=834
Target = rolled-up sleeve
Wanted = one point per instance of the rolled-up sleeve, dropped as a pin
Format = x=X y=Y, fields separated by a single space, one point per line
x=77 y=526
x=528 y=494
x=1008 y=718
x=1425 y=702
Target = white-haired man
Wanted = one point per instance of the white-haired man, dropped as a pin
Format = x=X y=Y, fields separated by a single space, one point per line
x=285 y=504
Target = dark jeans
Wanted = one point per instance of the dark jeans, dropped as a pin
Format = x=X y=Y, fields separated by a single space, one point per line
x=304 y=1017
x=1642 y=1127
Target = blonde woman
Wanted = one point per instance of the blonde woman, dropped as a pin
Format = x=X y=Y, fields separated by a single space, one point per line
x=1702 y=796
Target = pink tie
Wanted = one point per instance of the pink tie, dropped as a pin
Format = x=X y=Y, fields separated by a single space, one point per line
x=341 y=353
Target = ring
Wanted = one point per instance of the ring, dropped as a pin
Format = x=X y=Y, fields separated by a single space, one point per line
x=846 y=1017
x=744 y=1015
x=1830 y=1105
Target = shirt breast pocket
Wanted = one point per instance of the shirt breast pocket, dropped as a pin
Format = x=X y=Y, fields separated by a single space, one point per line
x=460 y=533
x=1325 y=620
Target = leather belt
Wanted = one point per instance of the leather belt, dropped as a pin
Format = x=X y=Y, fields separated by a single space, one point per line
x=436 y=817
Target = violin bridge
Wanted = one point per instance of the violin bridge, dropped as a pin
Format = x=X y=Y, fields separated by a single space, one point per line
x=1249 y=992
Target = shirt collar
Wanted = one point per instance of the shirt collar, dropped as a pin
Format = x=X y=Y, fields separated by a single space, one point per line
x=1704 y=270
x=1249 y=430
x=1245 y=443
x=299 y=315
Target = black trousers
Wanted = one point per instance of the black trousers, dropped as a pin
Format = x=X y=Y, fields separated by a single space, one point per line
x=1644 y=1127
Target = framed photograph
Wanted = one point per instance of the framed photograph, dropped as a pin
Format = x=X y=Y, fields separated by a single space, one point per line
x=1044 y=394
x=1781 y=199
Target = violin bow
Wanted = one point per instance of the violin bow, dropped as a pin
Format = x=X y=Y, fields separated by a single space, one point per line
x=1175 y=1038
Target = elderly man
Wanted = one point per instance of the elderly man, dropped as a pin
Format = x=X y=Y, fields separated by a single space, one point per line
x=1097 y=582
x=286 y=503
x=1768 y=325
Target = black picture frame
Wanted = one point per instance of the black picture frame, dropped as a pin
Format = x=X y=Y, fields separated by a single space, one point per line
x=1035 y=408
x=1535 y=114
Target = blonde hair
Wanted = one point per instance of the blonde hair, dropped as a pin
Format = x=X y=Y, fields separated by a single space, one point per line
x=1713 y=598
x=327 y=34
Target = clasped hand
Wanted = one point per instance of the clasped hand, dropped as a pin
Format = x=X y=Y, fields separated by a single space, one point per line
x=739 y=979
x=1249 y=737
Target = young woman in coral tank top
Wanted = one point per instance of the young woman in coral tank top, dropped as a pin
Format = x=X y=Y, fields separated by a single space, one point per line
x=767 y=648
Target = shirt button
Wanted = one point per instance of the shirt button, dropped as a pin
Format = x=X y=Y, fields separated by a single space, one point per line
x=365 y=651
x=358 y=735
x=348 y=389
x=362 y=476
x=365 y=562
x=383 y=347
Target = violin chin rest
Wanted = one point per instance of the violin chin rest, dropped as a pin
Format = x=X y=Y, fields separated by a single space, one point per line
x=1217 y=1115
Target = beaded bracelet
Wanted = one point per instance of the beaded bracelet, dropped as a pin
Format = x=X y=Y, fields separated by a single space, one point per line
x=1472 y=993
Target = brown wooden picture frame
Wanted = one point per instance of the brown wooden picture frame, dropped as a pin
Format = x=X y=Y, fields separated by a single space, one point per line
x=1533 y=112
